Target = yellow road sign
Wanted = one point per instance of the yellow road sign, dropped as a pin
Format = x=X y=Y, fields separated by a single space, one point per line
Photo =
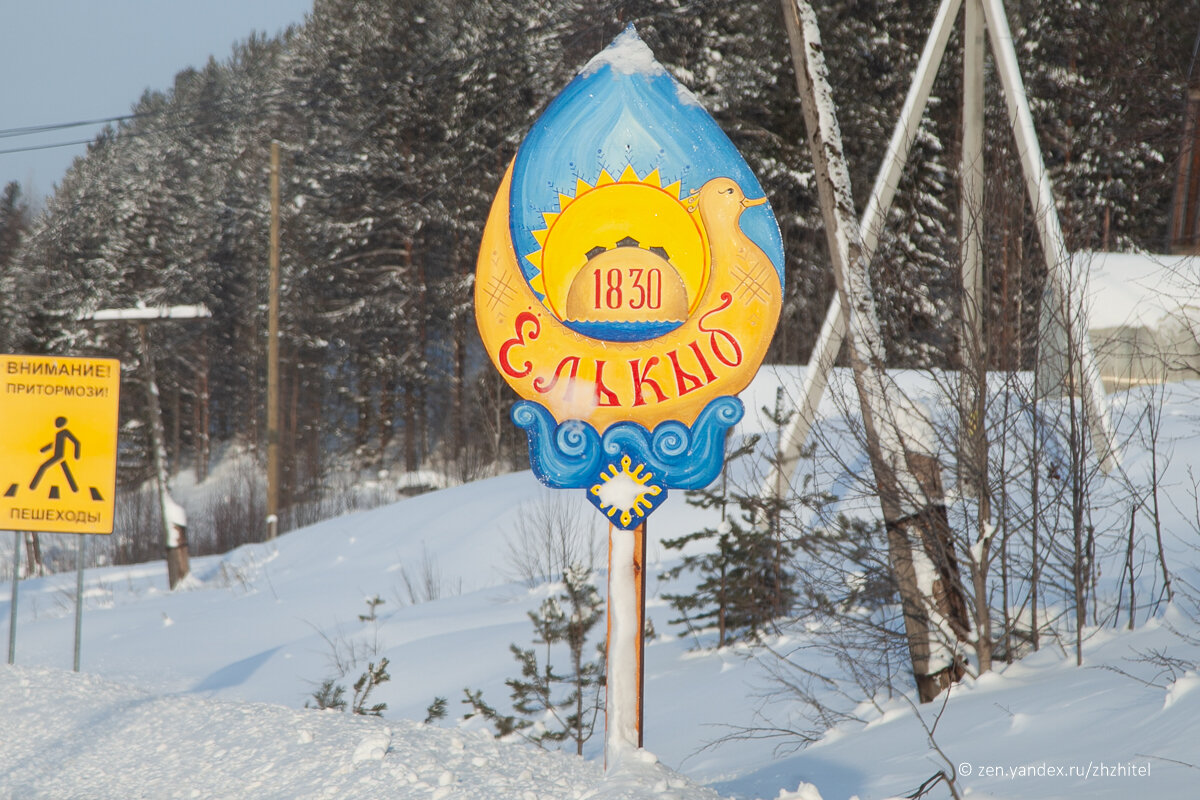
x=58 y=443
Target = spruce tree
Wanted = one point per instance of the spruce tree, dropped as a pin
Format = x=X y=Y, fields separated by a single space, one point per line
x=14 y=222
x=14 y=225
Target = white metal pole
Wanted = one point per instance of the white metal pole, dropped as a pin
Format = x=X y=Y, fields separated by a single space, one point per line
x=812 y=387
x=1069 y=293
x=905 y=132
x=833 y=330
x=12 y=608
x=82 y=539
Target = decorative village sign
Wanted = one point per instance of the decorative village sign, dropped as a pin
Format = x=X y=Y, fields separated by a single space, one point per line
x=628 y=285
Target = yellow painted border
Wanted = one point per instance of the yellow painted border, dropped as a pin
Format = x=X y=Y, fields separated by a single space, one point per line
x=715 y=352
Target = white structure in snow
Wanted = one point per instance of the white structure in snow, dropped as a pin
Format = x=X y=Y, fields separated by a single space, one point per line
x=1143 y=316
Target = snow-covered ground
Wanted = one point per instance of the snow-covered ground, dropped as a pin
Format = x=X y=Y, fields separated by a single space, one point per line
x=201 y=692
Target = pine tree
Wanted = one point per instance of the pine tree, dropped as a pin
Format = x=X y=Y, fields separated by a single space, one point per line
x=745 y=579
x=330 y=695
x=566 y=619
x=374 y=675
x=1107 y=85
x=505 y=724
x=14 y=222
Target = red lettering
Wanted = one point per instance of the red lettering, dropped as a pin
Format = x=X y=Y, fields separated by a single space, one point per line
x=525 y=317
x=684 y=381
x=637 y=284
x=654 y=287
x=614 y=296
x=736 y=358
x=709 y=376
x=640 y=378
x=604 y=396
x=539 y=383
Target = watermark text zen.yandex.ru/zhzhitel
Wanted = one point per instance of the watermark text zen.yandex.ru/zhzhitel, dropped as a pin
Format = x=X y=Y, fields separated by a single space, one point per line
x=1043 y=769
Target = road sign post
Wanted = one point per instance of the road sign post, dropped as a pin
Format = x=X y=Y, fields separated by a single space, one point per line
x=12 y=606
x=58 y=454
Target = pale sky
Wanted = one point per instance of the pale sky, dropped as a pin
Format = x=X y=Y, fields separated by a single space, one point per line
x=68 y=60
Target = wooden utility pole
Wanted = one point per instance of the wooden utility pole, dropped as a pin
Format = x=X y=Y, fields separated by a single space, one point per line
x=907 y=484
x=34 y=546
x=973 y=348
x=833 y=329
x=273 y=355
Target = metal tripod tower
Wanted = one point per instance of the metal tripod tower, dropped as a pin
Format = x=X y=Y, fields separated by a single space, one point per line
x=980 y=16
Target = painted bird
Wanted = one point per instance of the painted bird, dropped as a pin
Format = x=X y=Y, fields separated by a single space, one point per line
x=735 y=257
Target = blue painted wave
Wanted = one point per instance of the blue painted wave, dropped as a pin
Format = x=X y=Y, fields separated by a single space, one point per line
x=623 y=331
x=571 y=454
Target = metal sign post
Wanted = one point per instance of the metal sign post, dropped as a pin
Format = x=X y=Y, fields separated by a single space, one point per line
x=12 y=608
x=58 y=455
x=79 y=598
x=628 y=285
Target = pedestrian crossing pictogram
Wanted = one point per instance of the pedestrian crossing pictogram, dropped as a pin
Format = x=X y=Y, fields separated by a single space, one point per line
x=62 y=449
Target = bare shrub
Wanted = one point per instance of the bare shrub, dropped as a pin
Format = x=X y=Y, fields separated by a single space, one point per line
x=137 y=528
x=426 y=583
x=235 y=511
x=552 y=533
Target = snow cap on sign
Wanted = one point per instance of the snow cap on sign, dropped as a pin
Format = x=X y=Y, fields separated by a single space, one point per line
x=627 y=55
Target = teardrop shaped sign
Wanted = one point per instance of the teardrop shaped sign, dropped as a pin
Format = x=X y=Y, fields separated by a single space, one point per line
x=628 y=284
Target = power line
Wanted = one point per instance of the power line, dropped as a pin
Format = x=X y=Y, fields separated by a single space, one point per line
x=33 y=147
x=416 y=79
x=9 y=133
x=126 y=135
x=169 y=108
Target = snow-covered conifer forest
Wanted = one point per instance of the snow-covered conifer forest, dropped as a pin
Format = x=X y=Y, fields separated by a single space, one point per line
x=777 y=664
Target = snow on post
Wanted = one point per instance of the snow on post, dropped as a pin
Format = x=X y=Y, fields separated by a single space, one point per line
x=625 y=629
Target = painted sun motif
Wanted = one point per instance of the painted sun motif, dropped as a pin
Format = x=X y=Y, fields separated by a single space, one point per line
x=625 y=493
x=623 y=259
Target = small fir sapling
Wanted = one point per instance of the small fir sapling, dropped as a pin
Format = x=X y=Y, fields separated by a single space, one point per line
x=366 y=683
x=545 y=715
x=329 y=696
x=373 y=603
